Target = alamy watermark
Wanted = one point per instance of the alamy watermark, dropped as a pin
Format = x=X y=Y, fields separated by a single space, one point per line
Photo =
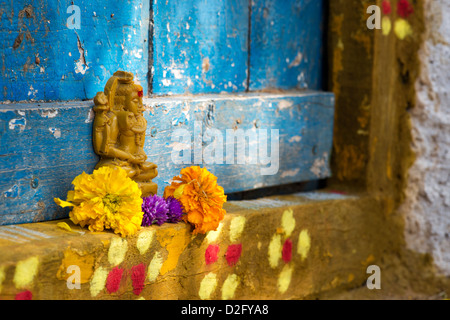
x=74 y=20
x=374 y=281
x=235 y=146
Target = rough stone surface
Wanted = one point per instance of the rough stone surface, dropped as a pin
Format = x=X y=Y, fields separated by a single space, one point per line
x=427 y=205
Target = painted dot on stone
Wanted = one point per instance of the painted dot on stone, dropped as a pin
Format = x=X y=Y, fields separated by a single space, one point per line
x=207 y=286
x=144 y=240
x=286 y=253
x=24 y=295
x=212 y=236
x=138 y=278
x=229 y=286
x=2 y=277
x=233 y=254
x=113 y=279
x=155 y=266
x=304 y=244
x=274 y=250
x=288 y=222
x=98 y=281
x=284 y=279
x=25 y=272
x=211 y=253
x=117 y=250
x=402 y=29
x=237 y=225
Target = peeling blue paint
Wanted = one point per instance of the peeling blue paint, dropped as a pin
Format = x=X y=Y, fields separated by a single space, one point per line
x=42 y=59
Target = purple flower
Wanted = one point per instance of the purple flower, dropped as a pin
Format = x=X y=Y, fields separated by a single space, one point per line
x=155 y=210
x=175 y=210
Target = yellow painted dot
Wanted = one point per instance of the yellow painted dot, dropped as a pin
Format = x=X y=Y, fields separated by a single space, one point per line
x=288 y=222
x=154 y=268
x=236 y=228
x=402 y=28
x=82 y=260
x=207 y=286
x=274 y=250
x=117 y=250
x=98 y=281
x=284 y=279
x=2 y=277
x=386 y=25
x=175 y=241
x=304 y=244
x=229 y=286
x=212 y=236
x=144 y=240
x=25 y=272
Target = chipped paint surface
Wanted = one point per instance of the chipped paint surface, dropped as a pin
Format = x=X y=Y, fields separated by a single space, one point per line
x=45 y=60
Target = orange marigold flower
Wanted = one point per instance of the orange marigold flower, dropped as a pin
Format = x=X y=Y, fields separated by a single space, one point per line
x=201 y=197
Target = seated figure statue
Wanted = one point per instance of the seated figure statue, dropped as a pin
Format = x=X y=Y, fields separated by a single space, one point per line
x=119 y=130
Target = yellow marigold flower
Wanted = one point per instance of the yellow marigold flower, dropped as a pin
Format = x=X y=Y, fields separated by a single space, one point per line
x=106 y=199
x=201 y=197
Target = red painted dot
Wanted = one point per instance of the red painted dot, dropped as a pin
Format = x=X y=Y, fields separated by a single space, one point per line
x=387 y=9
x=233 y=254
x=24 y=295
x=211 y=253
x=113 y=280
x=138 y=278
x=286 y=253
x=404 y=8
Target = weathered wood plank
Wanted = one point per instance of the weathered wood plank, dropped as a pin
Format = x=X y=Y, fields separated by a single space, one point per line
x=43 y=59
x=286 y=44
x=45 y=146
x=200 y=46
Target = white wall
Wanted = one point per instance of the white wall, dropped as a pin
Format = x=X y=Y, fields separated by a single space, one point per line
x=427 y=207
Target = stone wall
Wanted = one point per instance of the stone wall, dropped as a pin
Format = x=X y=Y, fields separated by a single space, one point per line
x=427 y=204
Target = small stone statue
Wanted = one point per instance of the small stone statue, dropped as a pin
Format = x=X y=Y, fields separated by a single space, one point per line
x=119 y=130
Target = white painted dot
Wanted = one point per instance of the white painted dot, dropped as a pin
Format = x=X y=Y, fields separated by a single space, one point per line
x=144 y=240
x=212 y=236
x=207 y=286
x=98 y=281
x=229 y=286
x=237 y=225
x=154 y=267
x=284 y=279
x=117 y=250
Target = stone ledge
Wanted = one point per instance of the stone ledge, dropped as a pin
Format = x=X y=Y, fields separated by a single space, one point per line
x=287 y=247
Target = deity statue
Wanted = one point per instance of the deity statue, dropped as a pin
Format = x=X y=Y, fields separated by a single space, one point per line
x=119 y=130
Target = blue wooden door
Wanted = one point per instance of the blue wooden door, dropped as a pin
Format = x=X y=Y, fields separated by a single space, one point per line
x=250 y=67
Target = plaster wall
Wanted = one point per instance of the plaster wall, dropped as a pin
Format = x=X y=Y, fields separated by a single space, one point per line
x=427 y=205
